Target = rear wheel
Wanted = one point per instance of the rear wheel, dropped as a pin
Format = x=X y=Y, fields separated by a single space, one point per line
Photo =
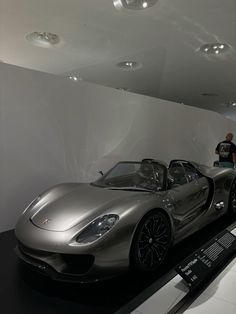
x=151 y=242
x=232 y=199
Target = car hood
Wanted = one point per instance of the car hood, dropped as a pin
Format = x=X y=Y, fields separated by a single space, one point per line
x=61 y=208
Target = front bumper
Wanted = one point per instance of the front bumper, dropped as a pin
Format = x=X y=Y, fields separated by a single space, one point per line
x=57 y=253
x=62 y=267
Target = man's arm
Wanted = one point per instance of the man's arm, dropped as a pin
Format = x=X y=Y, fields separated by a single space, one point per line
x=217 y=149
x=234 y=154
x=234 y=158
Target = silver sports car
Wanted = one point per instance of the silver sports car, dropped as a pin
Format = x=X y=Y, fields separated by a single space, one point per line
x=129 y=218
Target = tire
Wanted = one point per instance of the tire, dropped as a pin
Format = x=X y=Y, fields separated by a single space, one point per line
x=151 y=242
x=232 y=199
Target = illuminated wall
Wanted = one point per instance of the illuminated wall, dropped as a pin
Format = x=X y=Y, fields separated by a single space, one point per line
x=54 y=130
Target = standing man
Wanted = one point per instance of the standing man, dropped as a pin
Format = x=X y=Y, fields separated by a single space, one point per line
x=227 y=152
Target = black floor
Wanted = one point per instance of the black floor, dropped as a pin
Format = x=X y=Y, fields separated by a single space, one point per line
x=25 y=292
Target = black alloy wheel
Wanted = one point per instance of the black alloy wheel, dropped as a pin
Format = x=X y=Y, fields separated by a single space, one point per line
x=232 y=199
x=151 y=242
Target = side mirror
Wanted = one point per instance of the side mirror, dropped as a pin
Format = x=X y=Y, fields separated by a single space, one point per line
x=101 y=173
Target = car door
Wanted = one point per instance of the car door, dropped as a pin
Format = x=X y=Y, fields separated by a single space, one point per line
x=188 y=192
x=198 y=187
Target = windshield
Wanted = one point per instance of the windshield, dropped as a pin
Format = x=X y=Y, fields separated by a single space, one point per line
x=145 y=176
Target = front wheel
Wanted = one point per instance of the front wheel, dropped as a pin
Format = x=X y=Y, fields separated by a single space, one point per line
x=151 y=242
x=232 y=199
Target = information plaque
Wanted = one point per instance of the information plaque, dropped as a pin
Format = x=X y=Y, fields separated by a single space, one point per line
x=203 y=263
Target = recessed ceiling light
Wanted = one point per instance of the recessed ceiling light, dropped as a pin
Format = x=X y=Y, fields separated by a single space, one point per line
x=144 y=4
x=233 y=104
x=134 y=4
x=43 y=39
x=129 y=65
x=214 y=48
x=74 y=78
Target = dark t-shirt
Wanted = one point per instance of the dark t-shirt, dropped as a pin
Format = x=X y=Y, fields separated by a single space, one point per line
x=226 y=150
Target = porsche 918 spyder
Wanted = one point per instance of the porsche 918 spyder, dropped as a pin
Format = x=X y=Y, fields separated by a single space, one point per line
x=129 y=218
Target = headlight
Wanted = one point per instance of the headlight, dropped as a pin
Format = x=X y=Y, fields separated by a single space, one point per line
x=97 y=228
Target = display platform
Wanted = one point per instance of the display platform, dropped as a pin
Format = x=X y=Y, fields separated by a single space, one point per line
x=24 y=291
x=205 y=284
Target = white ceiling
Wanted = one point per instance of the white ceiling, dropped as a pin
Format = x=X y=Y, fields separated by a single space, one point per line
x=164 y=38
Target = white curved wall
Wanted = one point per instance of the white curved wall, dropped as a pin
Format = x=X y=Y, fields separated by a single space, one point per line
x=54 y=130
